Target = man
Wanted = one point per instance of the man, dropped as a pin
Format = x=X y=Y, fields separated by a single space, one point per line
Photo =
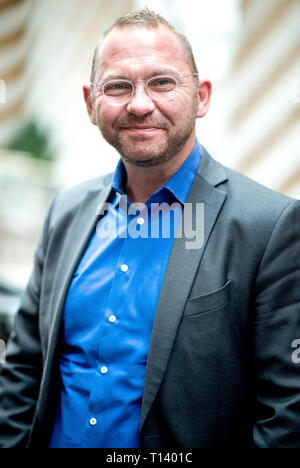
x=129 y=340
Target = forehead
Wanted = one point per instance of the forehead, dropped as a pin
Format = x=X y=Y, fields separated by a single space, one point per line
x=132 y=48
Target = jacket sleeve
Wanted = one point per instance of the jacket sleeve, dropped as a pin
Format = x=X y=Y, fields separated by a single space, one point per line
x=277 y=335
x=20 y=375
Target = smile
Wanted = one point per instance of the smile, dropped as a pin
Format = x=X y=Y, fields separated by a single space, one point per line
x=141 y=130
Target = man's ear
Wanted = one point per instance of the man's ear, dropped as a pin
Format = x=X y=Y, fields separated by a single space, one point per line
x=205 y=89
x=88 y=102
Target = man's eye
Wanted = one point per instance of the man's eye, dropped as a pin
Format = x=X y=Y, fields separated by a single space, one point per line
x=117 y=88
x=163 y=84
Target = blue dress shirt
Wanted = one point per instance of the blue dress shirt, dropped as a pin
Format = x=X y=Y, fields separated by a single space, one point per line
x=109 y=313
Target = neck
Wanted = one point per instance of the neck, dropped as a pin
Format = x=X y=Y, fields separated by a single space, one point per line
x=142 y=182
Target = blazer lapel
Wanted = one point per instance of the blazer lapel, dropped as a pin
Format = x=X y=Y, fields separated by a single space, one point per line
x=79 y=234
x=182 y=266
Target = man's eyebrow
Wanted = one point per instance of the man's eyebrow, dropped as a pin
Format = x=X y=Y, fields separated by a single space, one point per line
x=113 y=76
x=154 y=72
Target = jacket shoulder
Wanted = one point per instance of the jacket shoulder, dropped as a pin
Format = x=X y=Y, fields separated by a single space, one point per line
x=249 y=204
x=67 y=200
x=250 y=194
x=255 y=209
x=245 y=193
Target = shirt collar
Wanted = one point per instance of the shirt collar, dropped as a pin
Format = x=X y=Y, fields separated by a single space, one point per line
x=119 y=178
x=179 y=184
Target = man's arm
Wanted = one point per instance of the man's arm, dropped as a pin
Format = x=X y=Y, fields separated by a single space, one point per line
x=277 y=325
x=20 y=376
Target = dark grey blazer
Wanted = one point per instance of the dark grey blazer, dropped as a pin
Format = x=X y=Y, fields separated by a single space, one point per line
x=220 y=370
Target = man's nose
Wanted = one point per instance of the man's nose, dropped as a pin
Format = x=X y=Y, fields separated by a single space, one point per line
x=141 y=103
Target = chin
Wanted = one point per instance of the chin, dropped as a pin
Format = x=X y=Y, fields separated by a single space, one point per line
x=146 y=160
x=139 y=161
x=141 y=154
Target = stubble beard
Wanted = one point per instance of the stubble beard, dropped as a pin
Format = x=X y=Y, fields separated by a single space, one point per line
x=154 y=153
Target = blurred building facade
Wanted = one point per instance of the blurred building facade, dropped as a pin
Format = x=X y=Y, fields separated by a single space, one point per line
x=14 y=15
x=46 y=49
x=261 y=96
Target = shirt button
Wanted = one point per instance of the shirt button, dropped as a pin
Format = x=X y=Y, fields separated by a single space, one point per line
x=112 y=318
x=93 y=421
x=104 y=370
x=124 y=268
x=140 y=221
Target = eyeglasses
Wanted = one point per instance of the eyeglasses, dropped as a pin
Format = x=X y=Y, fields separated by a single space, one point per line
x=159 y=88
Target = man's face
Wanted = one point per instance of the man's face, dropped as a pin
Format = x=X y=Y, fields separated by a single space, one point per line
x=145 y=132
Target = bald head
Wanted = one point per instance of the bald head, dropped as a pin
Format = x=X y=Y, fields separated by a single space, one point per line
x=144 y=19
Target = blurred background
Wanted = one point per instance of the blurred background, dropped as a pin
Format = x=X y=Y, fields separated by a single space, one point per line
x=250 y=49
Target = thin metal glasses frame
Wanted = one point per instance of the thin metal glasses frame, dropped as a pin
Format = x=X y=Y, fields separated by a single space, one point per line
x=146 y=82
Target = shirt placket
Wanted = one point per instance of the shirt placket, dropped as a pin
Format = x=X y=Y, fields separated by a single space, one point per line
x=100 y=400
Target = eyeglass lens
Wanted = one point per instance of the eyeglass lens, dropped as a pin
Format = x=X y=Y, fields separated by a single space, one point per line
x=160 y=88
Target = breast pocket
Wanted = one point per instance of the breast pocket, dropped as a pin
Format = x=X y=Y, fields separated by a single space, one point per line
x=208 y=302
x=203 y=339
